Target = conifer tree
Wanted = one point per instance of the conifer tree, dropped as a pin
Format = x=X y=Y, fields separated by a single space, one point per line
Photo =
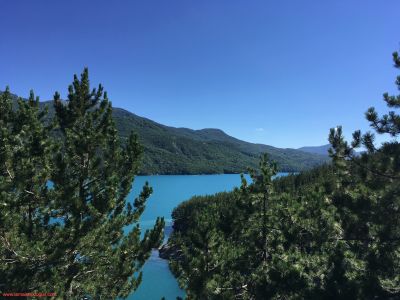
x=262 y=183
x=286 y=235
x=66 y=226
x=25 y=166
x=269 y=245
x=368 y=201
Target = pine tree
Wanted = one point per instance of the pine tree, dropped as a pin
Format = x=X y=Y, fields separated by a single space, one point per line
x=268 y=245
x=286 y=238
x=66 y=225
x=25 y=166
x=368 y=201
x=262 y=183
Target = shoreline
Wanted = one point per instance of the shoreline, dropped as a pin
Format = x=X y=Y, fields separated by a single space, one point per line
x=207 y=174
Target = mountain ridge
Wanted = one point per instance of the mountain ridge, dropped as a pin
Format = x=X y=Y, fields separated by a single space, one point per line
x=323 y=149
x=171 y=150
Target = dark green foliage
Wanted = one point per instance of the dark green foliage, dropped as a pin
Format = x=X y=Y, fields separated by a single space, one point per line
x=253 y=243
x=63 y=199
x=296 y=183
x=368 y=201
x=25 y=167
x=329 y=233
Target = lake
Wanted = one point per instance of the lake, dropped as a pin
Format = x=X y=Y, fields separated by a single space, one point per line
x=168 y=192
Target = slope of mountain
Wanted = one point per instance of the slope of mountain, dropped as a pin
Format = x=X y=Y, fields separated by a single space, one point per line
x=170 y=150
x=322 y=150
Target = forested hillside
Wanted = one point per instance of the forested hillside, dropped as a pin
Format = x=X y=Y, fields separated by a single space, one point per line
x=170 y=150
x=329 y=233
x=323 y=150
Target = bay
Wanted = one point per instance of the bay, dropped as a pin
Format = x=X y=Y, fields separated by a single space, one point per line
x=168 y=192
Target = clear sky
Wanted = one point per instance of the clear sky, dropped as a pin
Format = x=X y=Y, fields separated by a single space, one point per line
x=274 y=72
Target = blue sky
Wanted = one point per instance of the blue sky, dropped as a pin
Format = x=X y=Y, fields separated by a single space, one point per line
x=274 y=72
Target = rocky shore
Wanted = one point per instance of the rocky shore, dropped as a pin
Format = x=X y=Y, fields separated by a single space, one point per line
x=169 y=252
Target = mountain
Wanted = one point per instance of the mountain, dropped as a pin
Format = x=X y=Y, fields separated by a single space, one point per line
x=170 y=150
x=322 y=150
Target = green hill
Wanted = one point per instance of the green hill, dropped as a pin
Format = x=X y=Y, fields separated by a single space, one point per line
x=170 y=150
x=323 y=150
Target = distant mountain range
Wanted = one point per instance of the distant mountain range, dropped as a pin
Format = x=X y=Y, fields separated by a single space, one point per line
x=323 y=150
x=170 y=150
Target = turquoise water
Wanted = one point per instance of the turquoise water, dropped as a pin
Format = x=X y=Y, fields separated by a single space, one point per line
x=168 y=192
